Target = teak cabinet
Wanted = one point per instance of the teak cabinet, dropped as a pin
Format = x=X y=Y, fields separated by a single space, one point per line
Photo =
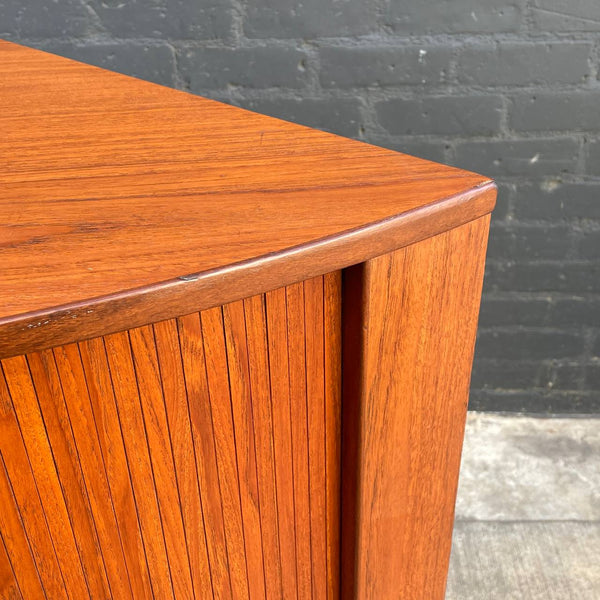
x=235 y=351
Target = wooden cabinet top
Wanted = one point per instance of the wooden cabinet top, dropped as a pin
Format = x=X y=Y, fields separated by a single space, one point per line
x=124 y=202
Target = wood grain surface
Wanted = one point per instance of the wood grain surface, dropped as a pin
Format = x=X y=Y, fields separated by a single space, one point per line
x=408 y=349
x=171 y=319
x=179 y=459
x=125 y=203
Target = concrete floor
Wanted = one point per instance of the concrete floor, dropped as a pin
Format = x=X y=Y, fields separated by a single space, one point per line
x=528 y=510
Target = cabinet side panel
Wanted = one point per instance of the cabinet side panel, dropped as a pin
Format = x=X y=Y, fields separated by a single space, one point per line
x=410 y=323
x=192 y=458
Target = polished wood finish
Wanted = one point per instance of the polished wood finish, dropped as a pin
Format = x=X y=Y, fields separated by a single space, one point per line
x=126 y=203
x=125 y=477
x=409 y=347
x=186 y=289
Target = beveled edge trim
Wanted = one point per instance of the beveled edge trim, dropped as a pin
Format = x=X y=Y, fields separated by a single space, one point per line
x=34 y=331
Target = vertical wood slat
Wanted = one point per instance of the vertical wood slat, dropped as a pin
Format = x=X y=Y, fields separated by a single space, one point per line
x=162 y=465
x=239 y=382
x=124 y=383
x=23 y=521
x=194 y=365
x=315 y=390
x=176 y=404
x=108 y=426
x=408 y=352
x=29 y=467
x=333 y=425
x=260 y=385
x=75 y=392
x=298 y=400
x=61 y=437
x=277 y=343
x=9 y=588
x=15 y=540
x=224 y=437
x=192 y=458
x=41 y=458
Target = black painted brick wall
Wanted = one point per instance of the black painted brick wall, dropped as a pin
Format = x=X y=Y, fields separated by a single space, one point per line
x=509 y=88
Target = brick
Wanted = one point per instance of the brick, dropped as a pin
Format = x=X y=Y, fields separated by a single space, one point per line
x=383 y=66
x=444 y=115
x=529 y=242
x=490 y=374
x=434 y=151
x=454 y=16
x=503 y=199
x=535 y=401
x=498 y=312
x=154 y=63
x=524 y=63
x=592 y=377
x=566 y=15
x=493 y=374
x=548 y=156
x=567 y=277
x=22 y=20
x=263 y=67
x=513 y=308
x=562 y=377
x=593 y=159
x=501 y=243
x=553 y=200
x=542 y=242
x=575 y=111
x=337 y=116
x=309 y=19
x=520 y=344
x=589 y=247
x=575 y=312
x=179 y=19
